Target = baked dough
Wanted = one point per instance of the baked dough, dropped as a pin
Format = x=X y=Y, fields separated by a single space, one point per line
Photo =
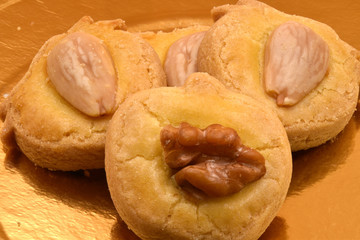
x=233 y=51
x=141 y=184
x=49 y=130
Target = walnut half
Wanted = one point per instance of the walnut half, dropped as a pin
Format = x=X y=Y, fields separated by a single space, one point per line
x=212 y=160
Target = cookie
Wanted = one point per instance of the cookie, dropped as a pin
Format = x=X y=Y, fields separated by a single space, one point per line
x=166 y=151
x=47 y=118
x=296 y=65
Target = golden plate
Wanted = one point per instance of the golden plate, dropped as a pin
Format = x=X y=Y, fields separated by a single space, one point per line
x=324 y=196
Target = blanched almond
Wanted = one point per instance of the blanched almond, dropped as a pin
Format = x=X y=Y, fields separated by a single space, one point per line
x=296 y=60
x=82 y=71
x=181 y=59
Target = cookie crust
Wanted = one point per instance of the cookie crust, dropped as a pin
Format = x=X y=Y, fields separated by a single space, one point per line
x=140 y=182
x=50 y=131
x=233 y=52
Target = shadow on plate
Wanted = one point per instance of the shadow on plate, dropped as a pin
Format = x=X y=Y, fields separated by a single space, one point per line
x=276 y=230
x=86 y=190
x=3 y=235
x=120 y=231
x=312 y=165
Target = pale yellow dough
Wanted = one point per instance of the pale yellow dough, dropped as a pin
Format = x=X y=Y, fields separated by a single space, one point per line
x=50 y=131
x=140 y=182
x=233 y=51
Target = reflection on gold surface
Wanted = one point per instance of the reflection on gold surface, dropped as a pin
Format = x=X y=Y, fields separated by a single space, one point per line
x=315 y=164
x=87 y=191
x=323 y=200
x=36 y=203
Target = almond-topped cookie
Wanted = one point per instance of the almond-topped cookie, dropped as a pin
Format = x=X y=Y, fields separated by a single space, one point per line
x=197 y=162
x=296 y=65
x=58 y=113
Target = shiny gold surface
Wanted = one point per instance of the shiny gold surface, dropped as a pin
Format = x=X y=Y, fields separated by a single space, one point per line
x=324 y=196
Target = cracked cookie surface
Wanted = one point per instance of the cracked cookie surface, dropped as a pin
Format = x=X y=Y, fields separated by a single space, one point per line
x=141 y=184
x=47 y=128
x=233 y=51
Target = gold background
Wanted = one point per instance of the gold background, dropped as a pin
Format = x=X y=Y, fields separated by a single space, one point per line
x=324 y=197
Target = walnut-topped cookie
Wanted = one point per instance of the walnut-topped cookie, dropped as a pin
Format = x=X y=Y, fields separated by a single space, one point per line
x=296 y=65
x=196 y=162
x=59 y=112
